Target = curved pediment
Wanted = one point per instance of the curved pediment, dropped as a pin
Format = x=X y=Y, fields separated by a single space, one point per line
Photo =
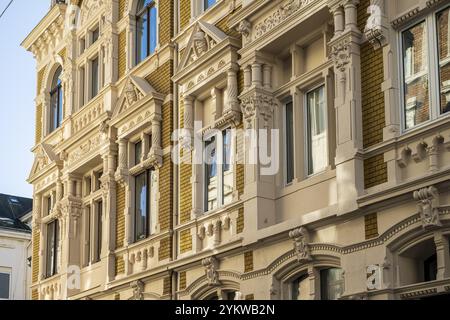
x=204 y=37
x=134 y=90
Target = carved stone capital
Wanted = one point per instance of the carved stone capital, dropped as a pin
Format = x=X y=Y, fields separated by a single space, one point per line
x=211 y=265
x=300 y=237
x=428 y=206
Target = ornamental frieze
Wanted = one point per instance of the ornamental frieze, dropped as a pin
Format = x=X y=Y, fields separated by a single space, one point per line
x=84 y=150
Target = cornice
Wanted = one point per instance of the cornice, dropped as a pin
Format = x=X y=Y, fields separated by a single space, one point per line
x=43 y=25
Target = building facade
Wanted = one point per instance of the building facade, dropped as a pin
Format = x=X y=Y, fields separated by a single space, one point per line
x=15 y=247
x=241 y=149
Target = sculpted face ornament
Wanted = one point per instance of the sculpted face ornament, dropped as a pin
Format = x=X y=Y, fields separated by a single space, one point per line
x=200 y=44
x=428 y=205
x=130 y=94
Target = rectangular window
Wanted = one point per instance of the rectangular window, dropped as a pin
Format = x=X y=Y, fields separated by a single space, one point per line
x=211 y=192
x=82 y=45
x=227 y=172
x=82 y=87
x=317 y=131
x=415 y=73
x=95 y=35
x=443 y=33
x=48 y=204
x=98 y=221
x=88 y=186
x=5 y=285
x=87 y=235
x=52 y=248
x=137 y=152
x=94 y=77
x=142 y=205
x=289 y=142
x=97 y=182
x=331 y=283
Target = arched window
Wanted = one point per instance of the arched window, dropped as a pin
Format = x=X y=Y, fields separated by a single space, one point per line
x=56 y=101
x=145 y=29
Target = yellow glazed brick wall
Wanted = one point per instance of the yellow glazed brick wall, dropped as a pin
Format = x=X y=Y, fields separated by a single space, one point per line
x=371 y=226
x=250 y=297
x=34 y=294
x=240 y=221
x=40 y=79
x=371 y=81
x=248 y=261
x=183 y=281
x=38 y=129
x=167 y=123
x=160 y=79
x=122 y=53
x=35 y=257
x=122 y=7
x=120 y=217
x=165 y=18
x=185 y=13
x=117 y=296
x=375 y=171
x=165 y=190
x=185 y=241
x=166 y=286
x=120 y=265
x=165 y=248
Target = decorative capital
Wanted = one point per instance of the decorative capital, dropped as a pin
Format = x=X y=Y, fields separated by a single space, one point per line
x=428 y=205
x=138 y=290
x=375 y=30
x=211 y=264
x=244 y=28
x=300 y=236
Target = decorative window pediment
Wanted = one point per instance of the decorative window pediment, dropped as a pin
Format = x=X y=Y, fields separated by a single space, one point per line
x=203 y=38
x=44 y=157
x=135 y=89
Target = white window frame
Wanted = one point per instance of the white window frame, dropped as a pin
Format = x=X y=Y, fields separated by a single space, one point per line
x=433 y=71
x=219 y=167
x=306 y=133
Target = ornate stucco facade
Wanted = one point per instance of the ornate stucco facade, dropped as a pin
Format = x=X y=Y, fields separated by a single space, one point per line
x=359 y=207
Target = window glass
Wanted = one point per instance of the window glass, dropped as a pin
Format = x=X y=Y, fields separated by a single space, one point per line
x=317 y=132
x=430 y=268
x=227 y=174
x=4 y=285
x=137 y=152
x=52 y=243
x=98 y=249
x=331 y=283
x=415 y=71
x=146 y=27
x=94 y=77
x=211 y=174
x=56 y=101
x=95 y=35
x=443 y=32
x=141 y=221
x=289 y=142
x=208 y=3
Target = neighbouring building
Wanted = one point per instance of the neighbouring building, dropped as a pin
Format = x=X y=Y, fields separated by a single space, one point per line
x=351 y=95
x=15 y=247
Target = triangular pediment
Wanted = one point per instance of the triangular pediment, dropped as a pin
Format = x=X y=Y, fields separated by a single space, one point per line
x=44 y=156
x=135 y=89
x=204 y=37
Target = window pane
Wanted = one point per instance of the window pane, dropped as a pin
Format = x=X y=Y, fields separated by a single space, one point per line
x=331 y=284
x=317 y=132
x=87 y=253
x=227 y=168
x=142 y=36
x=443 y=28
x=99 y=231
x=153 y=22
x=95 y=35
x=137 y=152
x=4 y=285
x=289 y=143
x=211 y=174
x=415 y=70
x=209 y=3
x=141 y=206
x=94 y=77
x=52 y=242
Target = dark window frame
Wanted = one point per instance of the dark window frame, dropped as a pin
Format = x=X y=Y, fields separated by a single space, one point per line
x=145 y=10
x=52 y=253
x=148 y=223
x=56 y=101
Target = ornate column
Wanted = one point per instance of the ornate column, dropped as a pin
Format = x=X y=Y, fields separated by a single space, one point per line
x=232 y=87
x=345 y=52
x=267 y=76
x=155 y=154
x=122 y=168
x=442 y=255
x=247 y=77
x=256 y=74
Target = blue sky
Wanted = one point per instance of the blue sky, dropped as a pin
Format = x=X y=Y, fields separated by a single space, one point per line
x=17 y=93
